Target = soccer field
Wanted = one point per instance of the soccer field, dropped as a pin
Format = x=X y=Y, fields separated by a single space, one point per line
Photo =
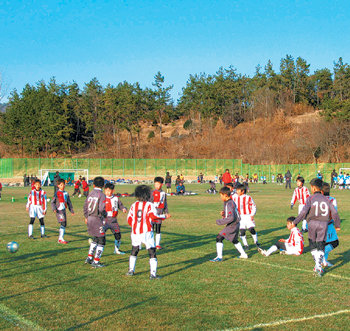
x=47 y=286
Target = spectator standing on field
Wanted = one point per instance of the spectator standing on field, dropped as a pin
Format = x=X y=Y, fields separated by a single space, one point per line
x=226 y=177
x=288 y=177
x=168 y=182
x=333 y=175
x=56 y=178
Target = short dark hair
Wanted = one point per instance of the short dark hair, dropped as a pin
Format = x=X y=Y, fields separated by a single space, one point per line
x=37 y=181
x=241 y=187
x=326 y=189
x=225 y=191
x=60 y=181
x=317 y=182
x=159 y=180
x=83 y=178
x=109 y=185
x=227 y=170
x=301 y=179
x=99 y=182
x=143 y=193
x=290 y=219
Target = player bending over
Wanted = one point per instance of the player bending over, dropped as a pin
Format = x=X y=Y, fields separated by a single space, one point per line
x=59 y=204
x=158 y=197
x=94 y=212
x=318 y=211
x=231 y=231
x=36 y=205
x=301 y=193
x=140 y=216
x=113 y=203
x=294 y=245
x=332 y=237
x=247 y=210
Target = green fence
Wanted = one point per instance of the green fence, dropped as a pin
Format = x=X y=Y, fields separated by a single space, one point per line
x=10 y=168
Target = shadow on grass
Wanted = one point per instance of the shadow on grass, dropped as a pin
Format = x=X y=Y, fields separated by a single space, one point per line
x=344 y=258
x=78 y=279
x=116 y=311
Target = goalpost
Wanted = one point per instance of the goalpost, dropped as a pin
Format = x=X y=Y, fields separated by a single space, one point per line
x=47 y=175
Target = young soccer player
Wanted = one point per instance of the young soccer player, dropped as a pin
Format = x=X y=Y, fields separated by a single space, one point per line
x=141 y=214
x=294 y=245
x=36 y=206
x=332 y=237
x=301 y=193
x=94 y=213
x=231 y=231
x=158 y=197
x=247 y=210
x=85 y=186
x=77 y=188
x=59 y=204
x=113 y=203
x=318 y=211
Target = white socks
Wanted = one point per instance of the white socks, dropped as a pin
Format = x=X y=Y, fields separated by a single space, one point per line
x=244 y=240
x=153 y=266
x=255 y=238
x=61 y=233
x=158 y=237
x=30 y=230
x=93 y=246
x=42 y=230
x=99 y=251
x=240 y=249
x=303 y=226
x=219 y=249
x=132 y=263
x=271 y=250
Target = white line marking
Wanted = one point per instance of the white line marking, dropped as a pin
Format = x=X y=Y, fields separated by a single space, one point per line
x=328 y=274
x=293 y=320
x=15 y=319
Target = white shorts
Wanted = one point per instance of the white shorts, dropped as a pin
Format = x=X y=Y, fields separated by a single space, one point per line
x=36 y=211
x=146 y=238
x=246 y=222
x=292 y=250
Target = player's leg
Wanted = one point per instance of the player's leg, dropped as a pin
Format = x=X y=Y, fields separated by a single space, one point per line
x=238 y=245
x=320 y=246
x=62 y=230
x=93 y=246
x=117 y=242
x=219 y=248
x=329 y=247
x=153 y=263
x=158 y=235
x=274 y=248
x=243 y=237
x=101 y=242
x=30 y=226
x=132 y=259
x=42 y=227
x=254 y=235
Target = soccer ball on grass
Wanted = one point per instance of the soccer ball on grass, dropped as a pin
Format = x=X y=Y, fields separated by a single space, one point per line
x=12 y=247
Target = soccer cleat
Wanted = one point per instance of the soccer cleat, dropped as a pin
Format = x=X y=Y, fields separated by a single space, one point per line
x=217 y=259
x=62 y=241
x=242 y=256
x=318 y=273
x=154 y=277
x=246 y=247
x=159 y=247
x=96 y=265
x=283 y=252
x=44 y=236
x=30 y=237
x=117 y=251
x=262 y=251
x=88 y=260
x=130 y=273
x=327 y=264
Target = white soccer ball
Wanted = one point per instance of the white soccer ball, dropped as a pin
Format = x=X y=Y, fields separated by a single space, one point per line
x=48 y=200
x=12 y=247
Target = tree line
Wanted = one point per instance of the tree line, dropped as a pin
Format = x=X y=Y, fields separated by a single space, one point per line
x=64 y=118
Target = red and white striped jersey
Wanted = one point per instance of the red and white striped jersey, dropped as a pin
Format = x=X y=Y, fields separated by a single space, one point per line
x=113 y=203
x=296 y=239
x=245 y=204
x=85 y=186
x=140 y=215
x=300 y=194
x=37 y=198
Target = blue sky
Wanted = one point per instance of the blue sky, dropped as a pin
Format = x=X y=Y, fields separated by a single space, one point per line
x=132 y=40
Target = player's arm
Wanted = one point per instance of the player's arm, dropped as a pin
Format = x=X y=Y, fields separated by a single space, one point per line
x=102 y=206
x=122 y=207
x=29 y=201
x=253 y=207
x=303 y=212
x=335 y=216
x=53 y=203
x=152 y=213
x=294 y=200
x=130 y=215
x=69 y=204
x=230 y=218
x=44 y=203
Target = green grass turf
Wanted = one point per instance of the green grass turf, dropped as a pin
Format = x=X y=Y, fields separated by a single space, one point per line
x=49 y=284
